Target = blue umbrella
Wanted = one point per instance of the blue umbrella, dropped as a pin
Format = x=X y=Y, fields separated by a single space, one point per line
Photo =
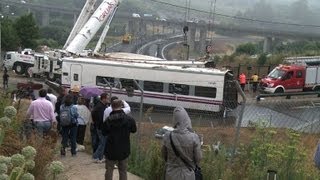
x=88 y=92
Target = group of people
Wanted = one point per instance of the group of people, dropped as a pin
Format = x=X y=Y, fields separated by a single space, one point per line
x=110 y=126
x=254 y=80
x=110 y=129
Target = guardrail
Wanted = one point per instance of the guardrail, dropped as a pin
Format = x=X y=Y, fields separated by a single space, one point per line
x=288 y=95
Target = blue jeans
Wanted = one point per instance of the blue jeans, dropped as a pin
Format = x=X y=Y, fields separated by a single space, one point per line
x=98 y=154
x=42 y=127
x=94 y=137
x=70 y=131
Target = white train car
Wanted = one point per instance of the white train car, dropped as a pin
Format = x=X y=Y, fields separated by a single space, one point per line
x=192 y=88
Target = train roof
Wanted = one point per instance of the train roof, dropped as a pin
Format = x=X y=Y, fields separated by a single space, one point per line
x=131 y=56
x=145 y=65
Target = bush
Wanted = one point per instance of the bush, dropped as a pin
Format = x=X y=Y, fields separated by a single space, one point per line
x=252 y=161
x=248 y=48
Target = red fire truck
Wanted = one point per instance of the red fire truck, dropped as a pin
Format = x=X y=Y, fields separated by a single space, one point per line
x=301 y=74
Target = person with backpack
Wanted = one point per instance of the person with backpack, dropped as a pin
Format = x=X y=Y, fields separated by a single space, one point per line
x=181 y=148
x=69 y=124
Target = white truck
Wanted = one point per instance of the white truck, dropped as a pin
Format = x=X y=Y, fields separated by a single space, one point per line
x=19 y=62
x=86 y=26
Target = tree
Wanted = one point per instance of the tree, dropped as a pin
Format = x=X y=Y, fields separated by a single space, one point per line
x=262 y=59
x=247 y=48
x=27 y=31
x=9 y=36
x=57 y=33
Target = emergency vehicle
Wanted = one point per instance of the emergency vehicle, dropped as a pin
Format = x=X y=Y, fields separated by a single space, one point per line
x=300 y=74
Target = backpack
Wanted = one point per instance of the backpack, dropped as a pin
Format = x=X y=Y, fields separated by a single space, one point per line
x=65 y=115
x=317 y=156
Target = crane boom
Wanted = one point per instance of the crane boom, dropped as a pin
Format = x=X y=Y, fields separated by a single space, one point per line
x=104 y=32
x=87 y=32
x=85 y=14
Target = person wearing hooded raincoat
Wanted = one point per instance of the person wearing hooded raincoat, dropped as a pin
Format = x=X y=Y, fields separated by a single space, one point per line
x=186 y=142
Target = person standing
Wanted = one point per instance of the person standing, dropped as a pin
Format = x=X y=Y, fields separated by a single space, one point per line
x=97 y=121
x=187 y=144
x=126 y=108
x=69 y=125
x=243 y=81
x=83 y=119
x=117 y=128
x=74 y=91
x=5 y=79
x=255 y=81
x=52 y=97
x=60 y=101
x=41 y=111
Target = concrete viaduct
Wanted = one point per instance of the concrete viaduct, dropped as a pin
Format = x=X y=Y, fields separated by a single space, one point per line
x=138 y=26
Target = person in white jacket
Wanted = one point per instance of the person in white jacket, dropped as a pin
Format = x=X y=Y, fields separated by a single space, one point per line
x=83 y=119
x=126 y=108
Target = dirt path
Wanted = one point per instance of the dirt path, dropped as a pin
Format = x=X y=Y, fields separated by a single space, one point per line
x=82 y=168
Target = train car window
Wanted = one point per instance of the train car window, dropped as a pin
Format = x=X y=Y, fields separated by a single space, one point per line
x=126 y=83
x=179 y=89
x=153 y=86
x=205 y=91
x=103 y=81
x=76 y=77
x=299 y=74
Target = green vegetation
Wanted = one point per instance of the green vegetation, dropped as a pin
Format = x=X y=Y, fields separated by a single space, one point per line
x=248 y=48
x=286 y=155
x=20 y=158
x=21 y=32
x=27 y=31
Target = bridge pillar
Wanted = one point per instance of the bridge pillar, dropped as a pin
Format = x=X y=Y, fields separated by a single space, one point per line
x=202 y=40
x=130 y=27
x=45 y=18
x=267 y=44
x=163 y=28
x=191 y=37
x=142 y=27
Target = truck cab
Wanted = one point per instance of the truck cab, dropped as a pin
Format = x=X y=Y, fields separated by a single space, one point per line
x=18 y=62
x=284 y=78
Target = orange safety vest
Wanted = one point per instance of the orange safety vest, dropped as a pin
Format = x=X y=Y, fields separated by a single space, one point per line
x=242 y=79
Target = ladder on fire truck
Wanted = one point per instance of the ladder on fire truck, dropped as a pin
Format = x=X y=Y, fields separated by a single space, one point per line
x=304 y=60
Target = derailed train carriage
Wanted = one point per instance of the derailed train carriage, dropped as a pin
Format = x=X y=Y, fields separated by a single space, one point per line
x=204 y=89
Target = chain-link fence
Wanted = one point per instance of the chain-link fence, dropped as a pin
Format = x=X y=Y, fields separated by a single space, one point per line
x=300 y=113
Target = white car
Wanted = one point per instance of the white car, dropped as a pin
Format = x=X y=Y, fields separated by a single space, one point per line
x=135 y=15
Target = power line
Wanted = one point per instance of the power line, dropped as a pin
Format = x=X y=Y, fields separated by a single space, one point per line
x=241 y=18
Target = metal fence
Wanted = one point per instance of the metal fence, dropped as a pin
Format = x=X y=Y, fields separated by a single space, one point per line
x=300 y=113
